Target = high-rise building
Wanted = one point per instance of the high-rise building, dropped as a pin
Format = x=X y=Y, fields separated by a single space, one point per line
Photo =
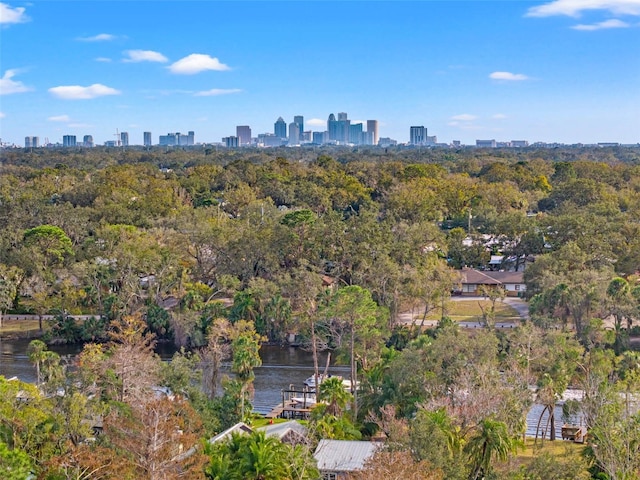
x=486 y=143
x=417 y=135
x=320 y=138
x=31 y=142
x=355 y=133
x=147 y=139
x=299 y=119
x=243 y=132
x=280 y=128
x=230 y=142
x=332 y=128
x=372 y=128
x=344 y=126
x=69 y=141
x=269 y=140
x=124 y=139
x=177 y=139
x=87 y=141
x=294 y=134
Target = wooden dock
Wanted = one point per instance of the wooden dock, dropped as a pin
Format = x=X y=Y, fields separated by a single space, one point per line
x=290 y=408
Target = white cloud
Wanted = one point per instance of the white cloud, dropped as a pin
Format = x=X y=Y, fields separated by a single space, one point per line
x=59 y=118
x=464 y=117
x=508 y=76
x=214 y=92
x=613 y=23
x=196 y=63
x=8 y=86
x=8 y=14
x=103 y=59
x=316 y=122
x=573 y=8
x=76 y=92
x=2 y=115
x=102 y=37
x=144 y=56
x=499 y=116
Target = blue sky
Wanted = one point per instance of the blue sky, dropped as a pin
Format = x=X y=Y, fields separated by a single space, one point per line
x=552 y=71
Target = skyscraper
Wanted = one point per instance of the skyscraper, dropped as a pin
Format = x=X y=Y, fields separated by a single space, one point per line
x=280 y=128
x=69 y=141
x=299 y=119
x=230 y=142
x=87 y=141
x=294 y=134
x=147 y=139
x=243 y=132
x=124 y=139
x=372 y=128
x=417 y=135
x=355 y=133
x=344 y=125
x=332 y=128
x=31 y=142
x=191 y=137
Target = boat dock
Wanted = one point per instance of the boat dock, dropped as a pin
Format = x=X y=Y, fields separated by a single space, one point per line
x=296 y=404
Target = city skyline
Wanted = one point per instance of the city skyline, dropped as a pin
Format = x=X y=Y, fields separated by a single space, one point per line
x=550 y=71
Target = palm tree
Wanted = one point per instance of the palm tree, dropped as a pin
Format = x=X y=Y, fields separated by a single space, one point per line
x=332 y=392
x=35 y=352
x=490 y=441
x=264 y=459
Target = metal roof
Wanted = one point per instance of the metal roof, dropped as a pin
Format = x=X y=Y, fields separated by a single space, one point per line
x=343 y=455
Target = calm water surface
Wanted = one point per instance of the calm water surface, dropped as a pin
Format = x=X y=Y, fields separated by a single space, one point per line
x=281 y=368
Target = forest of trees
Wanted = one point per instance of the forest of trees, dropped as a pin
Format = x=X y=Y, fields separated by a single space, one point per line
x=218 y=251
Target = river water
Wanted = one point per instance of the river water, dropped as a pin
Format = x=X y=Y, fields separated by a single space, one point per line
x=281 y=368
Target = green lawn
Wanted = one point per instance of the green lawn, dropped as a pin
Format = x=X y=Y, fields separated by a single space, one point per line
x=20 y=328
x=562 y=451
x=469 y=310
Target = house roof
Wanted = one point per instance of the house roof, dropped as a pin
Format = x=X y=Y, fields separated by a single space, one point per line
x=280 y=429
x=476 y=277
x=343 y=455
x=238 y=427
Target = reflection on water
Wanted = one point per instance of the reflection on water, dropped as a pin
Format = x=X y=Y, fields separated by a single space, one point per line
x=281 y=368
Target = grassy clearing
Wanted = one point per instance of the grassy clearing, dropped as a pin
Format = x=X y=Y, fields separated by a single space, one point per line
x=564 y=452
x=469 y=310
x=20 y=328
x=558 y=449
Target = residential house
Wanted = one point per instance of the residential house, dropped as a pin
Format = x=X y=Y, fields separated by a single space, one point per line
x=337 y=459
x=472 y=280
